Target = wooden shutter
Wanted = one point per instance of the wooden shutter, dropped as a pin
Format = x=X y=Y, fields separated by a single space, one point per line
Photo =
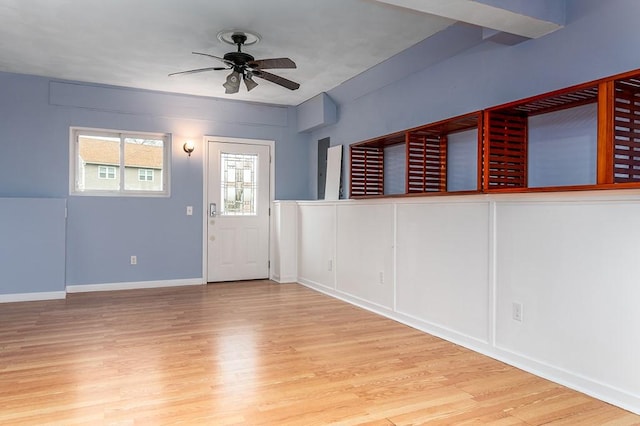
x=426 y=162
x=626 y=160
x=505 y=150
x=367 y=170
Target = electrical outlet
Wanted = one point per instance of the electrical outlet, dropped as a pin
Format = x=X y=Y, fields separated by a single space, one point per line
x=134 y=260
x=381 y=277
x=516 y=311
x=330 y=265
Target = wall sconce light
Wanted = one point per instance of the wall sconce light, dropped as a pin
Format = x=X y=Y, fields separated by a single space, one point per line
x=188 y=147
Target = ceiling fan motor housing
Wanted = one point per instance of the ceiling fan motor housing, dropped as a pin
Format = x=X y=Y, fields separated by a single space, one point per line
x=238 y=58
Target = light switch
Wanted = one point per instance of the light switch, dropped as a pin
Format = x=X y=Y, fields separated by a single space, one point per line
x=189 y=210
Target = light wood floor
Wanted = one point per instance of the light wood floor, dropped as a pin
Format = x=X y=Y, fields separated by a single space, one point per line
x=255 y=353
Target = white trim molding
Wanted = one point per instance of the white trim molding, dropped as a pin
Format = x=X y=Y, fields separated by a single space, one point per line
x=85 y=288
x=32 y=297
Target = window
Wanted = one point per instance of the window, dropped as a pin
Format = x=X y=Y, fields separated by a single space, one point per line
x=108 y=162
x=239 y=184
x=106 y=172
x=145 y=175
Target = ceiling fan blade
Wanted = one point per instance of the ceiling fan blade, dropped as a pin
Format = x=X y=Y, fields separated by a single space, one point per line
x=214 y=57
x=266 y=64
x=199 y=70
x=232 y=85
x=291 y=85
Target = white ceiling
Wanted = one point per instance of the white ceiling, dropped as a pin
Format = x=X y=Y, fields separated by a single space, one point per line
x=137 y=43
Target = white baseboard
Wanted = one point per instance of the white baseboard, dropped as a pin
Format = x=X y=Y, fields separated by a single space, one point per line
x=32 y=297
x=284 y=279
x=133 y=285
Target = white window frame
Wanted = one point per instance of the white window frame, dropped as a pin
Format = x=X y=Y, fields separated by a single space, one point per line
x=75 y=168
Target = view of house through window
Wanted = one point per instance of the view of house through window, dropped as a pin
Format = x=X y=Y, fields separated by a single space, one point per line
x=108 y=162
x=239 y=183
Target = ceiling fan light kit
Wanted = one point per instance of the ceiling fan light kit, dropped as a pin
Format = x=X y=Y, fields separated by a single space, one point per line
x=243 y=66
x=232 y=85
x=248 y=81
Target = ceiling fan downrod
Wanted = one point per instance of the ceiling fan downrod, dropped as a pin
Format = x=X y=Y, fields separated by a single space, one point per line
x=239 y=39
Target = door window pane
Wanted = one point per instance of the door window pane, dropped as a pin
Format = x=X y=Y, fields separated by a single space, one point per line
x=239 y=183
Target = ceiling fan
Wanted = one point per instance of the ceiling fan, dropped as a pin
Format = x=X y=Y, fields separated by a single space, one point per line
x=245 y=67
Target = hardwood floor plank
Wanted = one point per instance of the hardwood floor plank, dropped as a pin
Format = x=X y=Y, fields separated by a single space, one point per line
x=255 y=353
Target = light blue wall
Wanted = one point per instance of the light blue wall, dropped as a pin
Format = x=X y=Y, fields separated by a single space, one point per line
x=316 y=112
x=563 y=147
x=600 y=39
x=32 y=245
x=395 y=170
x=462 y=161
x=103 y=232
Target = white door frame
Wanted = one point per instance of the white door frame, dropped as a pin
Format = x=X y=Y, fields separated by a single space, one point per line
x=205 y=188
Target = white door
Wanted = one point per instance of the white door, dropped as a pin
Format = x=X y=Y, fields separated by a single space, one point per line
x=238 y=211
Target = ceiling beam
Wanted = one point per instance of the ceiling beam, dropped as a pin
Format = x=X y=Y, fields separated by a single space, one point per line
x=519 y=17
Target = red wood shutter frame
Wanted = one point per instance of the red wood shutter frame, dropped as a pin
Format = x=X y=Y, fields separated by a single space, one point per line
x=605 y=132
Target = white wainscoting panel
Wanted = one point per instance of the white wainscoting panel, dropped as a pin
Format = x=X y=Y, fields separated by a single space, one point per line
x=316 y=244
x=575 y=268
x=284 y=258
x=443 y=265
x=365 y=252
